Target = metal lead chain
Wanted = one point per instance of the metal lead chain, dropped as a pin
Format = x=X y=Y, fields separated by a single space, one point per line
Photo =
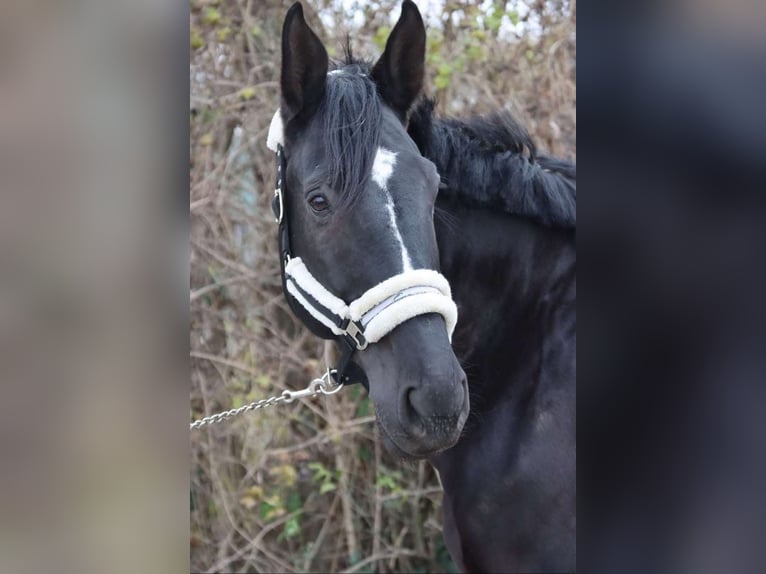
x=218 y=417
x=326 y=385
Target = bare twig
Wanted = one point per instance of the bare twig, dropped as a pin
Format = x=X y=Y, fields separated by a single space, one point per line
x=197 y=293
x=376 y=557
x=317 y=544
x=223 y=361
x=377 y=520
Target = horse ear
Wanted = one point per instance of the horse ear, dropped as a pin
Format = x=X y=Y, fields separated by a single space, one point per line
x=399 y=71
x=304 y=66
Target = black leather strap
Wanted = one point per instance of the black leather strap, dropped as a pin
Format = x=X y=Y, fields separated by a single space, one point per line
x=347 y=371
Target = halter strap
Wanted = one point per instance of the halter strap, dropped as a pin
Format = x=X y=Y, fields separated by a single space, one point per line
x=380 y=309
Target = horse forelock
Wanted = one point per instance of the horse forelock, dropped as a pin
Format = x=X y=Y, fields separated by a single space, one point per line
x=351 y=117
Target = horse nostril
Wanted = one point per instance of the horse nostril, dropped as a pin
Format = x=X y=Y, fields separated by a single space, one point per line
x=418 y=403
x=411 y=416
x=435 y=399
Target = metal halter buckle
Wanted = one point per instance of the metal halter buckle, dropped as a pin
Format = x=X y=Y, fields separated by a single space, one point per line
x=278 y=202
x=356 y=333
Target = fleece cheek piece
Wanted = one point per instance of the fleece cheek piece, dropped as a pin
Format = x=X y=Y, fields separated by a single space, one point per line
x=322 y=305
x=276 y=132
x=380 y=309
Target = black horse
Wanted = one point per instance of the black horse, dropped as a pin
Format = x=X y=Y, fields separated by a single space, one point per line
x=375 y=186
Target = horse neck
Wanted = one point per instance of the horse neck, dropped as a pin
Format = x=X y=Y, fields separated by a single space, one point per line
x=513 y=281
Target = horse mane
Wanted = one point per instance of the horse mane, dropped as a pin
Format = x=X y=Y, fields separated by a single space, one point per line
x=491 y=161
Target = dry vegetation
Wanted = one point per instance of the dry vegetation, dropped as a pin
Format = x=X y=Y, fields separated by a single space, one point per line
x=306 y=487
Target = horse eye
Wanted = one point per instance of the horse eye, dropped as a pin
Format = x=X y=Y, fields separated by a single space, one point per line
x=318 y=203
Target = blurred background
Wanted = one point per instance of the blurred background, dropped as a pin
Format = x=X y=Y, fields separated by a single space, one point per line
x=307 y=486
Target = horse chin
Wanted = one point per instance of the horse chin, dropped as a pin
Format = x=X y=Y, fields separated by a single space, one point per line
x=406 y=451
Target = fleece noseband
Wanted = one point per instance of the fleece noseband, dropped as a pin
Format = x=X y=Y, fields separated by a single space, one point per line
x=365 y=320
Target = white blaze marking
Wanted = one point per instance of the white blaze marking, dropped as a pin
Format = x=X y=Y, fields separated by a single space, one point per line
x=382 y=168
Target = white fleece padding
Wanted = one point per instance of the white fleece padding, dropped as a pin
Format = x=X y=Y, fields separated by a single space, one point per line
x=381 y=308
x=407 y=308
x=312 y=310
x=296 y=269
x=276 y=132
x=392 y=285
x=383 y=305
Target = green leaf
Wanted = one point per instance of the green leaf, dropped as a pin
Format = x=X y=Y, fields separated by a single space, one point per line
x=212 y=16
x=247 y=93
x=269 y=512
x=363 y=408
x=364 y=454
x=294 y=501
x=475 y=52
x=223 y=34
x=493 y=23
x=208 y=115
x=327 y=487
x=292 y=527
x=195 y=39
x=354 y=392
x=385 y=481
x=381 y=37
x=321 y=473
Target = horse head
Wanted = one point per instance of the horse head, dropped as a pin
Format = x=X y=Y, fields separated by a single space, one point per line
x=360 y=199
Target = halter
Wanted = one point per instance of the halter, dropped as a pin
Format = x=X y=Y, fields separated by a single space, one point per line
x=365 y=320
